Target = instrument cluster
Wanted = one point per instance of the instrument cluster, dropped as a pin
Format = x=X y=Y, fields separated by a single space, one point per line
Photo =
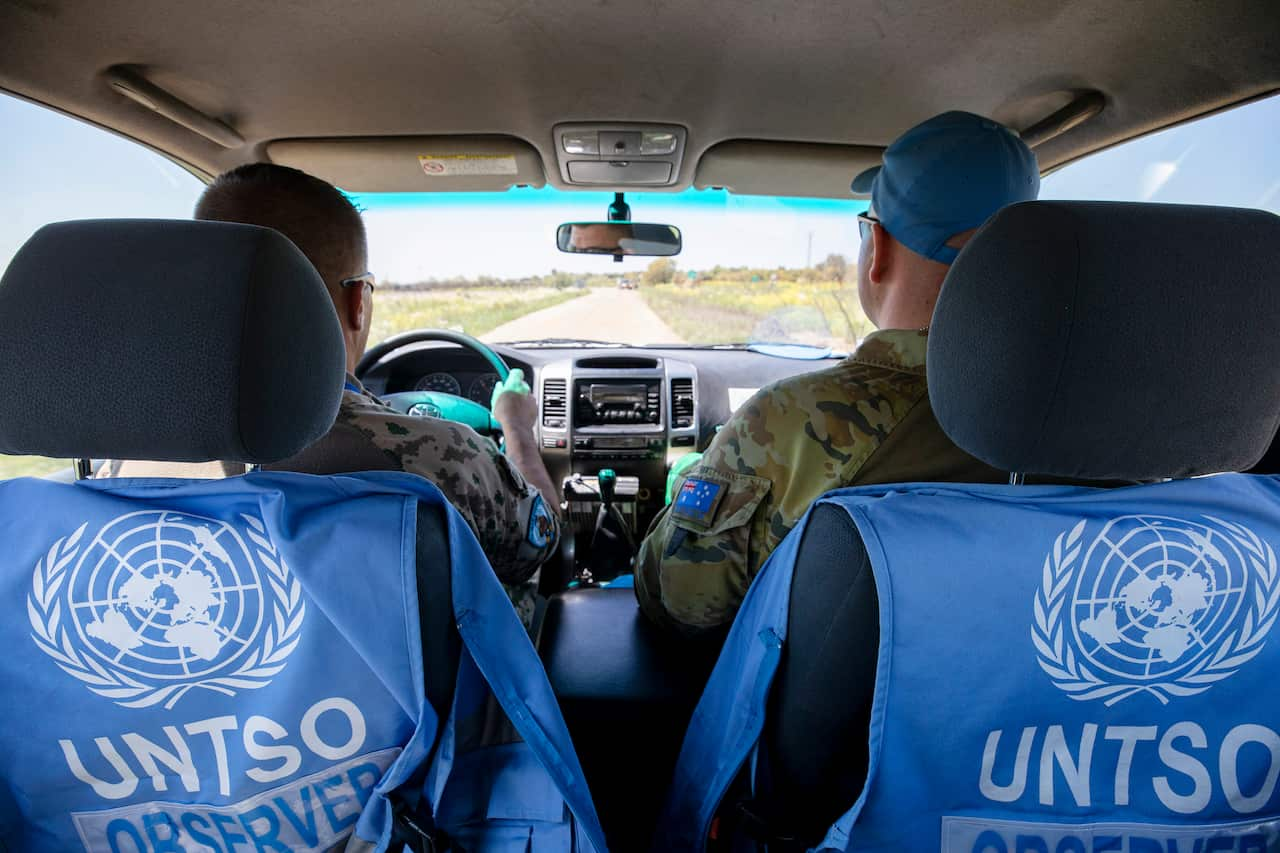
x=475 y=386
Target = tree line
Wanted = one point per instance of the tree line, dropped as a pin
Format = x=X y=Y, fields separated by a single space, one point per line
x=834 y=267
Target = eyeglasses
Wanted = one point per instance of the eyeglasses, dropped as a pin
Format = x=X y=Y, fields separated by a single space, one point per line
x=865 y=221
x=360 y=281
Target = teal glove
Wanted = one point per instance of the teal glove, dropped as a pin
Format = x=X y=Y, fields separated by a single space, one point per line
x=683 y=464
x=514 y=383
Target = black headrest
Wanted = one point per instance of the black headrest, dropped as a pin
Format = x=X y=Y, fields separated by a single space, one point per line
x=1112 y=341
x=165 y=340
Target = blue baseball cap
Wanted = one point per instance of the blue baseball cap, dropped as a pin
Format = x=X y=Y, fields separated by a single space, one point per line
x=947 y=175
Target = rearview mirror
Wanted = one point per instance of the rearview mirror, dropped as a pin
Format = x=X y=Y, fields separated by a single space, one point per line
x=643 y=239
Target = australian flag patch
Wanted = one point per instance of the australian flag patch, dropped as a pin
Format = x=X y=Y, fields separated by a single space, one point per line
x=697 y=500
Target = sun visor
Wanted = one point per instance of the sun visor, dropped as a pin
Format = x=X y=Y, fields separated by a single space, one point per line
x=414 y=163
x=784 y=168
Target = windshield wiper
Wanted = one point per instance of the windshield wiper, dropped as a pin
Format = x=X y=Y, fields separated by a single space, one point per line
x=777 y=350
x=563 y=342
x=695 y=346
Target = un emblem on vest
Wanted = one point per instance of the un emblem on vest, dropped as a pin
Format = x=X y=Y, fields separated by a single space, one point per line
x=156 y=605
x=1153 y=605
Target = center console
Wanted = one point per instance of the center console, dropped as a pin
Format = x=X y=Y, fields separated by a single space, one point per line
x=610 y=428
x=630 y=414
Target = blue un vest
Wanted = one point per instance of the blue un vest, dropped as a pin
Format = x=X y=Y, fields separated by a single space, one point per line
x=236 y=666
x=1060 y=670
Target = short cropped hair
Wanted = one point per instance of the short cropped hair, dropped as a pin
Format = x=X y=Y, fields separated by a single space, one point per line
x=314 y=214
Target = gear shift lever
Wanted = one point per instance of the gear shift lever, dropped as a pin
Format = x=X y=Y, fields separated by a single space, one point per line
x=607 y=479
x=612 y=544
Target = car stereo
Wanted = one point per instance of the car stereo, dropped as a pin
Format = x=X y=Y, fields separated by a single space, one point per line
x=605 y=402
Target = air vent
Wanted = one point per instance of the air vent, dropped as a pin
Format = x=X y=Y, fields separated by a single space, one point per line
x=681 y=403
x=618 y=362
x=554 y=403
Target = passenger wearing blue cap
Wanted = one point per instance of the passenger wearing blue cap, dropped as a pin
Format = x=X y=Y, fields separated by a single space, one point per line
x=940 y=180
x=868 y=419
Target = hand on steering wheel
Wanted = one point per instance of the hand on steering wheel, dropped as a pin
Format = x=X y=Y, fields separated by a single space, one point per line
x=438 y=404
x=513 y=405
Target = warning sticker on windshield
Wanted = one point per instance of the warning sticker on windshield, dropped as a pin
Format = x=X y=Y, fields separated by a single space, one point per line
x=455 y=165
x=739 y=396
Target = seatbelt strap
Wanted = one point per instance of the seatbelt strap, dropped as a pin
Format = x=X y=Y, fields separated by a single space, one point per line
x=744 y=819
x=413 y=823
x=744 y=816
x=416 y=830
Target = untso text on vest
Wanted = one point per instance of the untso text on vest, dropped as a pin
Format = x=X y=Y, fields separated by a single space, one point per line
x=236 y=665
x=1061 y=670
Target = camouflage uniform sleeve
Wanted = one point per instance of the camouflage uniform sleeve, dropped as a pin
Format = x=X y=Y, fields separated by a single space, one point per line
x=792 y=442
x=697 y=560
x=516 y=528
x=693 y=573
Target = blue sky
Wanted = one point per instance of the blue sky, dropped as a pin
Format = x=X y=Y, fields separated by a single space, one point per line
x=53 y=167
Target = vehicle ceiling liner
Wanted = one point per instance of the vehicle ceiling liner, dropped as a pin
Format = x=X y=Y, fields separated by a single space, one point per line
x=845 y=73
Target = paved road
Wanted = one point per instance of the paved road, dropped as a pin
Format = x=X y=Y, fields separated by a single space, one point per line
x=606 y=315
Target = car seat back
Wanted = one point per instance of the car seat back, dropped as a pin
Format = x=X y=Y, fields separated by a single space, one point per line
x=1063 y=345
x=276 y=661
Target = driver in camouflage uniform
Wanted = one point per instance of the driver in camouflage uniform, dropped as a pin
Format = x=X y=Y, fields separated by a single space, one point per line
x=509 y=516
x=868 y=419
x=508 y=500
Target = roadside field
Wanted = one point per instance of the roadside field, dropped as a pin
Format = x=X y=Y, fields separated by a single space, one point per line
x=29 y=466
x=708 y=312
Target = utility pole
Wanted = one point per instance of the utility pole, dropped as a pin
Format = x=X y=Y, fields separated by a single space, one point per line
x=808 y=254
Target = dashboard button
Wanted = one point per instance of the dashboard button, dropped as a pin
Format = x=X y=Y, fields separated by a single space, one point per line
x=682 y=441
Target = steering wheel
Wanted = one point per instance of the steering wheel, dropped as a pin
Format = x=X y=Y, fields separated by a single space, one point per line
x=438 y=404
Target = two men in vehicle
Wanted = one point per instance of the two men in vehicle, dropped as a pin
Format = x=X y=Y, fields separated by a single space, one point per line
x=867 y=420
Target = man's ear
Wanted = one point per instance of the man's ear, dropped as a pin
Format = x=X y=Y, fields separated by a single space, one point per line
x=356 y=312
x=881 y=254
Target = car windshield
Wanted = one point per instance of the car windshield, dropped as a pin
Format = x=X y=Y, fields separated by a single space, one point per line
x=753 y=269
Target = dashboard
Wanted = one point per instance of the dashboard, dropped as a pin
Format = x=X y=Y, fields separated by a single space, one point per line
x=635 y=410
x=723 y=378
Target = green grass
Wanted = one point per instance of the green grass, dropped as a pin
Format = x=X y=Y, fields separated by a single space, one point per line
x=473 y=310
x=708 y=312
x=29 y=466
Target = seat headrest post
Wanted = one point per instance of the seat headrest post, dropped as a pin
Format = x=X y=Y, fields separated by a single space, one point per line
x=1112 y=341
x=166 y=340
